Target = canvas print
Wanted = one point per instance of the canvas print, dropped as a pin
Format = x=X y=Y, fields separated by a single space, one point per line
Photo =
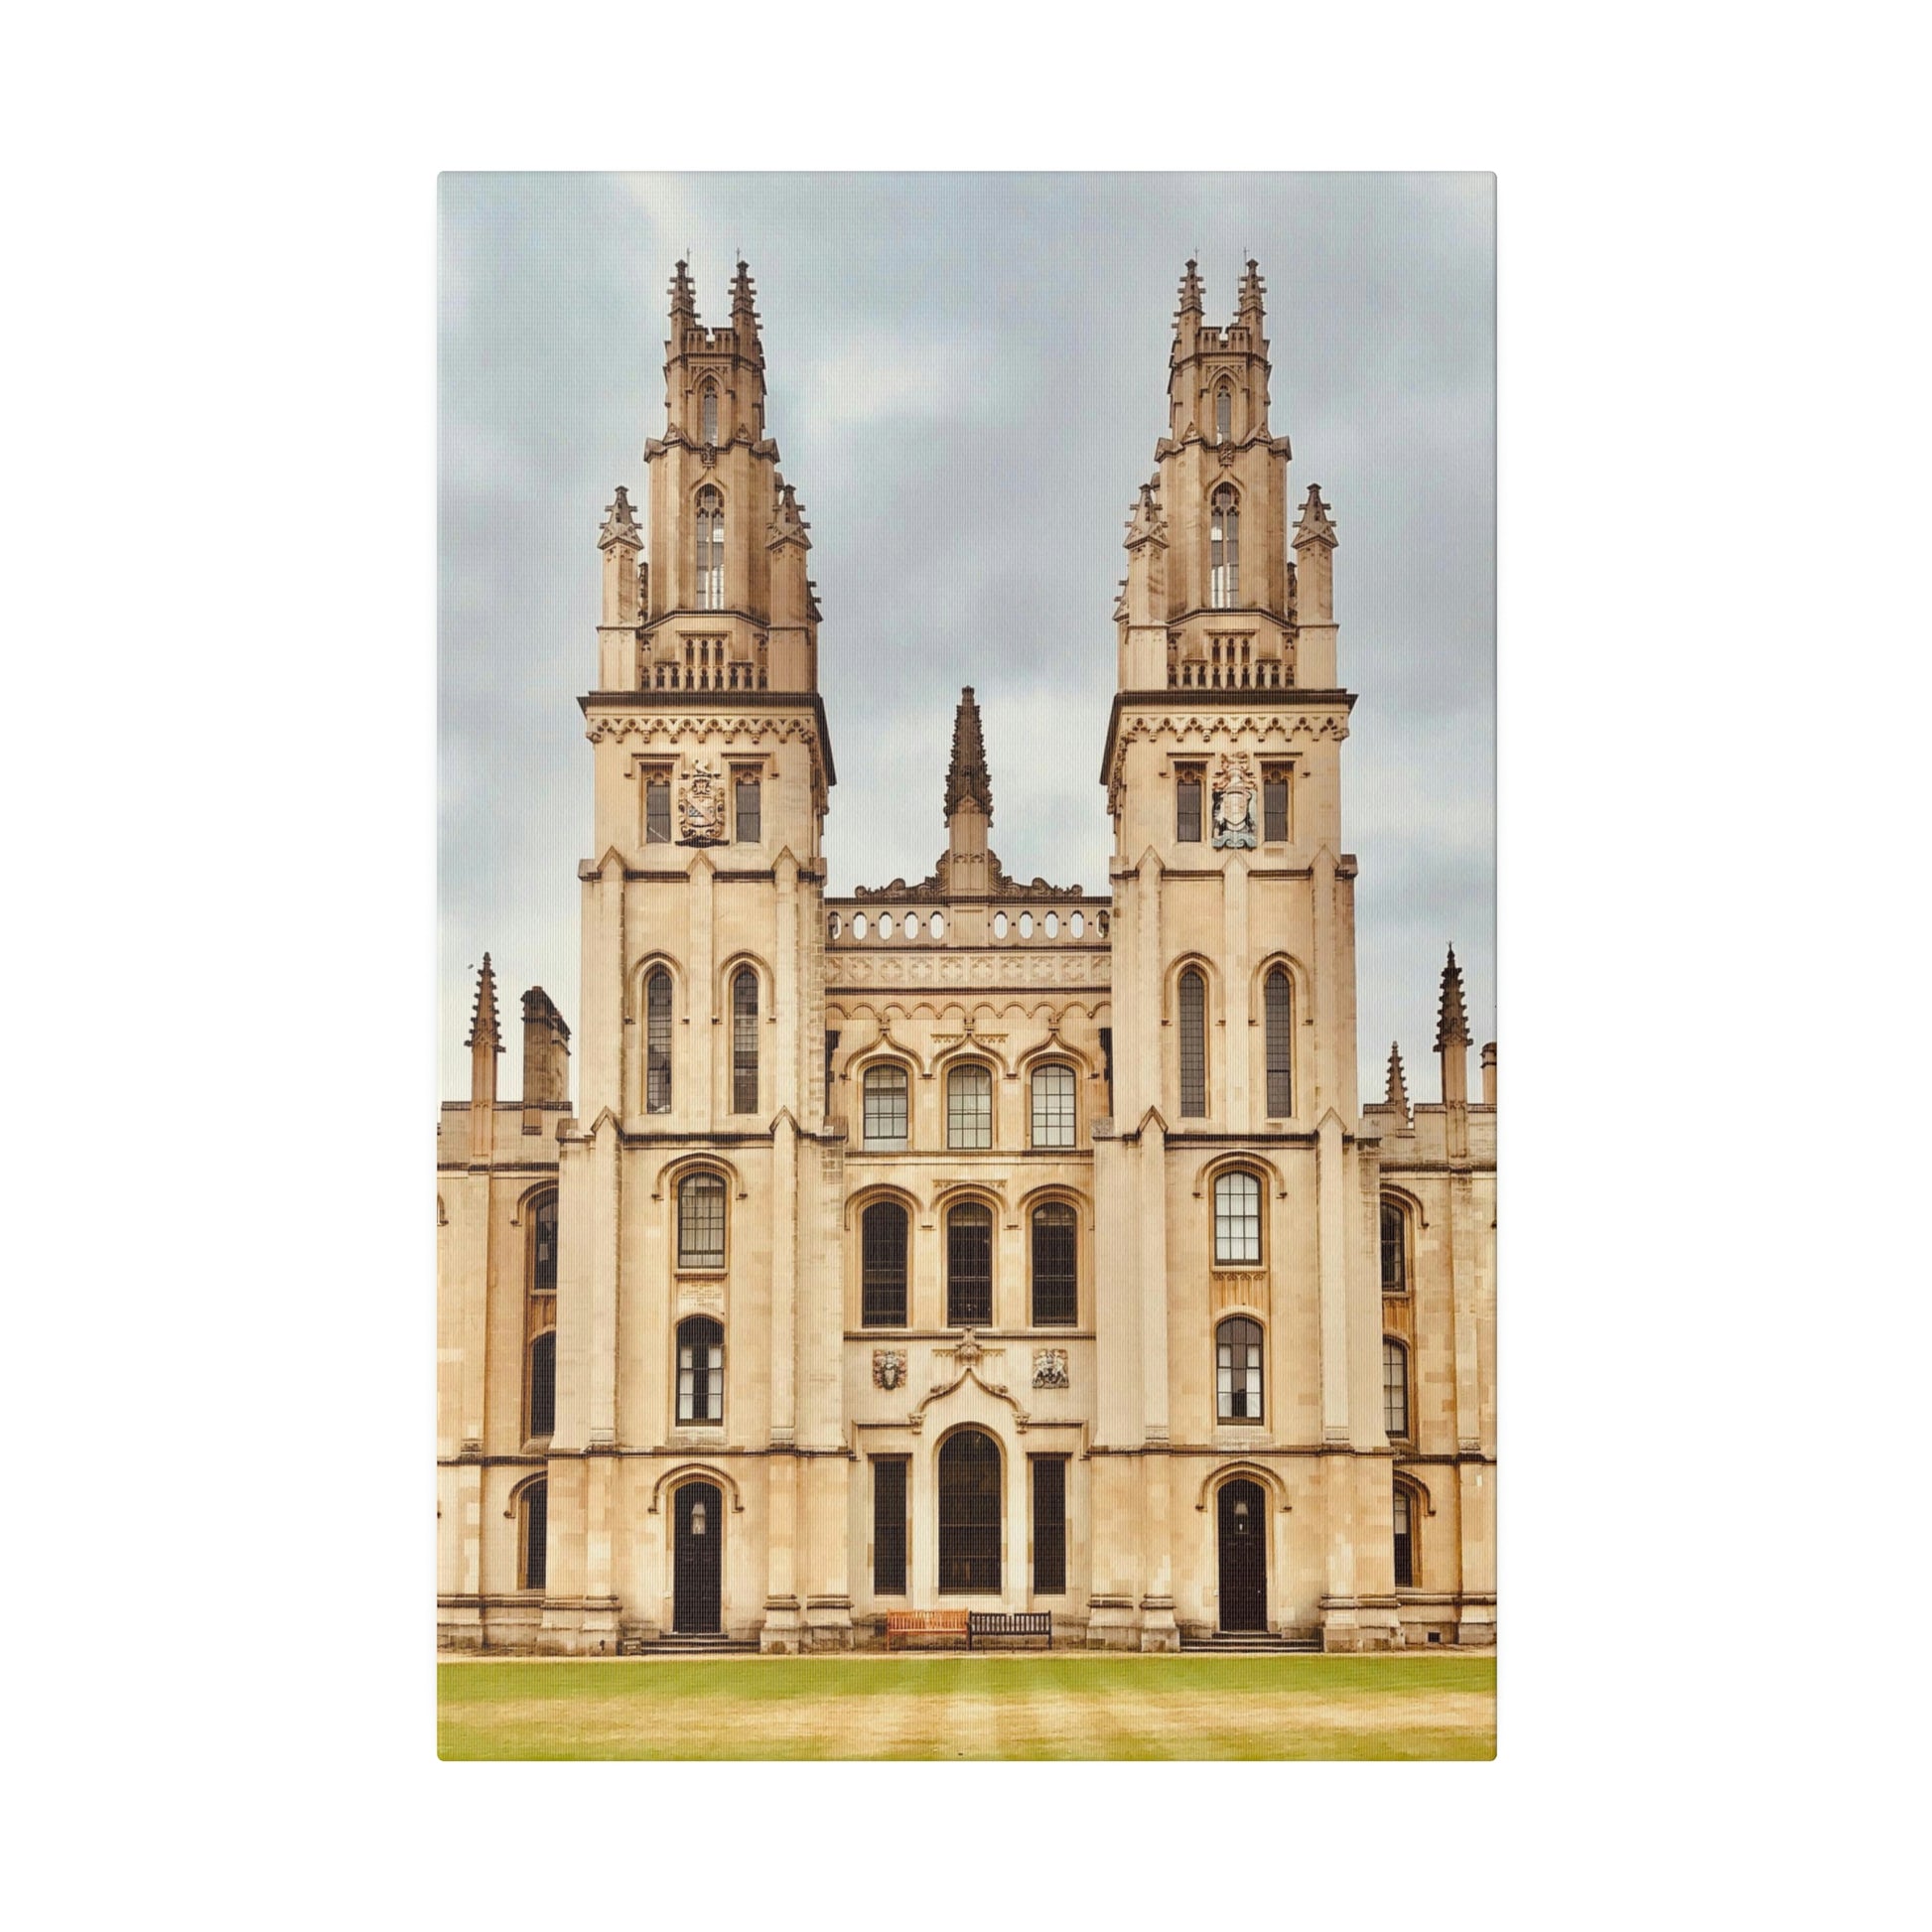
x=966 y=1181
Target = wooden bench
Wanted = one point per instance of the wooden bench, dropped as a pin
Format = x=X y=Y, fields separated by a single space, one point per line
x=926 y=1623
x=1017 y=1623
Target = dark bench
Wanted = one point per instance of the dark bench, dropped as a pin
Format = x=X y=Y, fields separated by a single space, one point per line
x=1017 y=1623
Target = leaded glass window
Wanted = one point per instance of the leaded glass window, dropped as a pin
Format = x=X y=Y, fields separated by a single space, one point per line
x=700 y=1370
x=886 y=1106
x=1278 y=1043
x=543 y=1385
x=1049 y=1525
x=1237 y=1370
x=747 y=808
x=1237 y=1220
x=969 y=1107
x=1053 y=1107
x=1223 y=414
x=1057 y=1276
x=657 y=1043
x=535 y=1533
x=543 y=1247
x=969 y=1513
x=657 y=809
x=1405 y=1547
x=969 y=1266
x=1395 y=1388
x=1274 y=803
x=710 y=532
x=1224 y=549
x=1395 y=1249
x=1193 y=1046
x=888 y=1526
x=744 y=1041
x=882 y=1233
x=708 y=424
x=701 y=1221
x=1188 y=782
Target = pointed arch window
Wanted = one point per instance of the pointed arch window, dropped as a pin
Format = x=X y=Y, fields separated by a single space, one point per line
x=1277 y=1007
x=1056 y=1271
x=700 y=1370
x=1223 y=413
x=1053 y=1108
x=533 y=1534
x=1395 y=1387
x=1237 y=1220
x=1237 y=1370
x=657 y=1043
x=710 y=526
x=882 y=1234
x=541 y=1420
x=1395 y=1248
x=701 y=1221
x=885 y=1106
x=1224 y=549
x=744 y=1041
x=1193 y=1045
x=969 y=1266
x=969 y=1107
x=708 y=415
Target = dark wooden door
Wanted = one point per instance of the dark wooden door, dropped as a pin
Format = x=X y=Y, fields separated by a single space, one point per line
x=697 y=1566
x=1244 y=1557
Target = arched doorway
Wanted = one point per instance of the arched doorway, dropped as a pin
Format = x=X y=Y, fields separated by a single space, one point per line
x=969 y=1513
x=1243 y=1518
x=697 y=1561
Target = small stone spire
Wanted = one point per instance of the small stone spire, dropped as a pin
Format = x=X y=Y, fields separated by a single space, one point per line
x=620 y=523
x=1190 y=303
x=1146 y=522
x=684 y=300
x=485 y=1041
x=744 y=315
x=484 y=1031
x=1315 y=525
x=1452 y=1023
x=1398 y=1093
x=967 y=777
x=1252 y=288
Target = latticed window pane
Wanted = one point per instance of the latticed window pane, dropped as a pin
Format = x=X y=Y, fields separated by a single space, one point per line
x=1053 y=1106
x=1223 y=415
x=1405 y=1549
x=657 y=1043
x=748 y=813
x=1237 y=1370
x=1193 y=1046
x=700 y=1372
x=1224 y=548
x=1395 y=1388
x=710 y=530
x=543 y=1385
x=1237 y=1221
x=968 y=1268
x=883 y=1231
x=1395 y=1250
x=701 y=1221
x=1056 y=1278
x=888 y=1527
x=543 y=1247
x=969 y=1513
x=657 y=810
x=536 y=1535
x=1049 y=1525
x=744 y=1043
x=1186 y=804
x=1274 y=803
x=1276 y=1007
x=885 y=1092
x=709 y=425
x=969 y=1107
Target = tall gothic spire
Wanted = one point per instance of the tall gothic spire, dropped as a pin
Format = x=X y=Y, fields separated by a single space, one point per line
x=1398 y=1093
x=967 y=776
x=1452 y=1023
x=484 y=1030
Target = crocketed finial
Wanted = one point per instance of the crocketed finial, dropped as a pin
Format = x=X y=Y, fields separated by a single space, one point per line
x=967 y=776
x=1452 y=1023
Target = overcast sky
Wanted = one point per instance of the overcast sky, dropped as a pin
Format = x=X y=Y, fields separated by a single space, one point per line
x=967 y=376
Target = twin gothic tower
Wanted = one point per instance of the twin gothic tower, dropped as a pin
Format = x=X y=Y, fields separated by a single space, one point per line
x=968 y=1243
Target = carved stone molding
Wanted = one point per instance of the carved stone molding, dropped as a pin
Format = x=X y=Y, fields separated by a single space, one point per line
x=1072 y=966
x=658 y=728
x=887 y=1368
x=1050 y=1369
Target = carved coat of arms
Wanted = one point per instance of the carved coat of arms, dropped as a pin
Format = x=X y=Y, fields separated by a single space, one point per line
x=1234 y=803
x=888 y=1367
x=1049 y=1369
x=701 y=806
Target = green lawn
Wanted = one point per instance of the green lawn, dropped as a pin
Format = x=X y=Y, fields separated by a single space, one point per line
x=1012 y=1705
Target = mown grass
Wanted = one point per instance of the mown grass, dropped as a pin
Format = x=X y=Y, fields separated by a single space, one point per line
x=942 y=1706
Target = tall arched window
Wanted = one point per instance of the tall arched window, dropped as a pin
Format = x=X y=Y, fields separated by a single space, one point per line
x=1405 y=1543
x=1054 y=1109
x=1277 y=1012
x=969 y=1107
x=700 y=1370
x=969 y=1512
x=1237 y=1220
x=744 y=1041
x=710 y=526
x=541 y=1419
x=1237 y=1370
x=532 y=1534
x=701 y=1221
x=1056 y=1272
x=1193 y=1045
x=1223 y=413
x=708 y=415
x=543 y=1246
x=883 y=1231
x=1395 y=1387
x=969 y=1266
x=1224 y=549
x=1395 y=1248
x=885 y=1106
x=657 y=1043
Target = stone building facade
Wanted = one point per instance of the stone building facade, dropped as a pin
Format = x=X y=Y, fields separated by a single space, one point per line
x=971 y=1243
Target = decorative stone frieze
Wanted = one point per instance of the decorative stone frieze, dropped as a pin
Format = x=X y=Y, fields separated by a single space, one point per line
x=1092 y=966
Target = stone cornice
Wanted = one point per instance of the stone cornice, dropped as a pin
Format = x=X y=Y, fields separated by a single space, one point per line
x=1203 y=714
x=669 y=717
